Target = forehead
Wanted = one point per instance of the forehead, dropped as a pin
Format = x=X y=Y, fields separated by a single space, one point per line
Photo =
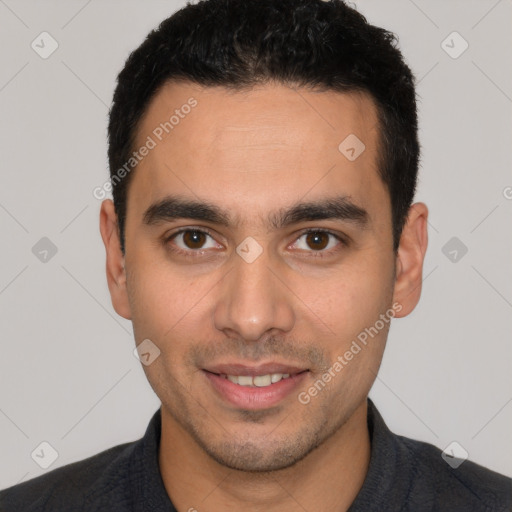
x=258 y=149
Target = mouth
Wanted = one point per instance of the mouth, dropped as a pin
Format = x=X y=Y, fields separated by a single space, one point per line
x=258 y=381
x=254 y=387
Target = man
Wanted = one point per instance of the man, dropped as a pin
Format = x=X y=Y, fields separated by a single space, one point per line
x=263 y=158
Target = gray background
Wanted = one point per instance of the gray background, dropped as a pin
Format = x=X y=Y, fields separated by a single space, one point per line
x=68 y=375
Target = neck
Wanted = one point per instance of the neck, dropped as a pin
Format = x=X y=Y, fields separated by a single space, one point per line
x=327 y=479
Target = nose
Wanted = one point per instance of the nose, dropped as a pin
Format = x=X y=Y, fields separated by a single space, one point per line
x=254 y=301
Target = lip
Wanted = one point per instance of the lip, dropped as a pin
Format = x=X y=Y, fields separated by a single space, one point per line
x=253 y=371
x=254 y=398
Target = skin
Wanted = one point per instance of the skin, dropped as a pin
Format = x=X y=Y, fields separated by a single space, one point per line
x=253 y=153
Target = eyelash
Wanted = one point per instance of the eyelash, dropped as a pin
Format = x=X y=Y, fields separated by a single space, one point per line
x=195 y=253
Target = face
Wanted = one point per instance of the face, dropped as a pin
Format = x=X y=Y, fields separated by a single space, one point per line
x=256 y=247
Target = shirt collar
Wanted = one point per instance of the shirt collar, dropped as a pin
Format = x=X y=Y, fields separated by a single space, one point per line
x=381 y=484
x=153 y=495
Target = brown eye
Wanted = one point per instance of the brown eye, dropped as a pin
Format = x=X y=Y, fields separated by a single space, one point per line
x=317 y=240
x=191 y=242
x=194 y=239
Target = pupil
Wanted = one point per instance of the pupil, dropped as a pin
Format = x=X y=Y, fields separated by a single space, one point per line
x=193 y=239
x=316 y=239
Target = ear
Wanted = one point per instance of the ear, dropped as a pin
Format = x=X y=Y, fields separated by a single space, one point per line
x=409 y=260
x=116 y=274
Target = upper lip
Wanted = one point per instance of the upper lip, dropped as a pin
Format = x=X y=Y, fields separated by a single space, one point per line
x=253 y=371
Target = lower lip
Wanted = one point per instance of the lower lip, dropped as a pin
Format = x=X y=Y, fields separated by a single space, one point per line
x=254 y=398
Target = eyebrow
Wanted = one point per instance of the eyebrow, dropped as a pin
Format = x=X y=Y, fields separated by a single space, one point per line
x=336 y=208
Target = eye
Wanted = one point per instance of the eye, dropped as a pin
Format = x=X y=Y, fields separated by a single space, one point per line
x=190 y=241
x=317 y=241
x=193 y=242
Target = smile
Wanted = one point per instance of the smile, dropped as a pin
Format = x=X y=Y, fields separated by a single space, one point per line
x=254 y=392
x=258 y=380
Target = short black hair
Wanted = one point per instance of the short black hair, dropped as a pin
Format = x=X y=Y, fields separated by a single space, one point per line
x=239 y=44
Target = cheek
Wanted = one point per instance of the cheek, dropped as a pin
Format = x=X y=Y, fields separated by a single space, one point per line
x=164 y=300
x=352 y=306
x=350 y=298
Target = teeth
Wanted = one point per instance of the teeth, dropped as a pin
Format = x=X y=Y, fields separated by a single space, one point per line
x=262 y=380
x=245 y=380
x=258 y=380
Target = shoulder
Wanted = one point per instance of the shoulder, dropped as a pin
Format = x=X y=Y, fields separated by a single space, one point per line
x=467 y=486
x=69 y=487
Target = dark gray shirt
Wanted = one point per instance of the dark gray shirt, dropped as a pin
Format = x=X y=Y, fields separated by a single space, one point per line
x=404 y=475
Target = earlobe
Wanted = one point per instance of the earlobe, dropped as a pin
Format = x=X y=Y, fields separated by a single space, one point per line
x=115 y=266
x=410 y=257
